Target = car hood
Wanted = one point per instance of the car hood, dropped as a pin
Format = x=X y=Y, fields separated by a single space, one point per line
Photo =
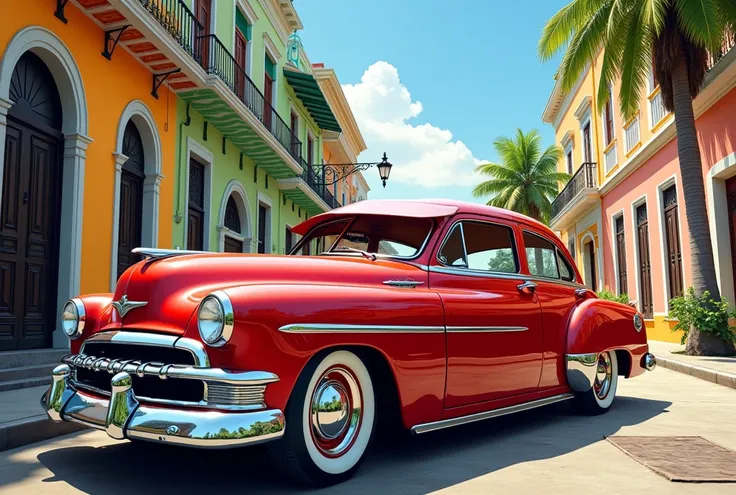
x=172 y=287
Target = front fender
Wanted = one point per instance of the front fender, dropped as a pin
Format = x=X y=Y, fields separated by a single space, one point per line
x=598 y=325
x=260 y=341
x=97 y=310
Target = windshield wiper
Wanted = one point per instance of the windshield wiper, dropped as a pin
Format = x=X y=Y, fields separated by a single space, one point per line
x=366 y=254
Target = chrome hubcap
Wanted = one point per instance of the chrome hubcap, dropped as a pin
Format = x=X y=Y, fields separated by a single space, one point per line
x=603 y=376
x=336 y=412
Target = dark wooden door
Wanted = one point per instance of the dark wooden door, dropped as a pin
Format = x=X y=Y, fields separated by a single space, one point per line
x=29 y=237
x=241 y=51
x=591 y=259
x=731 y=198
x=131 y=199
x=203 y=13
x=268 y=95
x=233 y=245
x=587 y=155
x=294 y=135
x=289 y=241
x=262 y=218
x=30 y=210
x=195 y=222
x=645 y=267
x=621 y=256
x=672 y=235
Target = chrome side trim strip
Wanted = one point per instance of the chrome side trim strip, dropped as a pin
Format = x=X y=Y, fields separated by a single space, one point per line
x=486 y=329
x=471 y=418
x=581 y=370
x=508 y=276
x=330 y=328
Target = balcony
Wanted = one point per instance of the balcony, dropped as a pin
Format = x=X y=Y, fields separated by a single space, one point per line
x=576 y=197
x=166 y=37
x=729 y=42
x=309 y=190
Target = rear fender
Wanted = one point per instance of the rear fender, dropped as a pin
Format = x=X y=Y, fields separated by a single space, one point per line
x=598 y=325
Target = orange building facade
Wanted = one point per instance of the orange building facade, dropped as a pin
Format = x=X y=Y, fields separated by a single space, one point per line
x=623 y=213
x=81 y=135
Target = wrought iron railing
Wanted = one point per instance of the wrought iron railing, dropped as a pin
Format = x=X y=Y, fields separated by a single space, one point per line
x=584 y=177
x=729 y=41
x=217 y=60
x=317 y=184
x=179 y=21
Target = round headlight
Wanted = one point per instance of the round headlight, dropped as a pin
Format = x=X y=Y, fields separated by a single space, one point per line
x=72 y=318
x=638 y=322
x=215 y=319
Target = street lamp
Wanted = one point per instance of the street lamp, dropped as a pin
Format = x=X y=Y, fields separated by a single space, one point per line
x=338 y=171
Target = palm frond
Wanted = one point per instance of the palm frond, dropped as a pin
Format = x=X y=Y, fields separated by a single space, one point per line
x=701 y=21
x=562 y=26
x=636 y=61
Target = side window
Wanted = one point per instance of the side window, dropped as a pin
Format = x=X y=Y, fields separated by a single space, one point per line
x=452 y=252
x=480 y=246
x=566 y=271
x=541 y=256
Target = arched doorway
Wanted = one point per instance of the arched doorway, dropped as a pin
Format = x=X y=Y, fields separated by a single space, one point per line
x=30 y=209
x=131 y=198
x=234 y=226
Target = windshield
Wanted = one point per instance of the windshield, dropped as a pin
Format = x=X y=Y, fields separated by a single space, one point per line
x=396 y=237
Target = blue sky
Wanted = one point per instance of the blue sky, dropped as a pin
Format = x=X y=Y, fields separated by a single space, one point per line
x=418 y=70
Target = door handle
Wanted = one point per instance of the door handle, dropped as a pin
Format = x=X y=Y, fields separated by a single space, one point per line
x=527 y=286
x=581 y=293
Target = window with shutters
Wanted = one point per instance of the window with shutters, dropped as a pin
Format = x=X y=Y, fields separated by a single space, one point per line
x=645 y=267
x=195 y=225
x=623 y=287
x=672 y=239
x=288 y=240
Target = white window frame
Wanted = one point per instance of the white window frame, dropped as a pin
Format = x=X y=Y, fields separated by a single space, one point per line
x=635 y=231
x=206 y=158
x=670 y=181
x=614 y=217
x=251 y=17
x=613 y=120
x=268 y=241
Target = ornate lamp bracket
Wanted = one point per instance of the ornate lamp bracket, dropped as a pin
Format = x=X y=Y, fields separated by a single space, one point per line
x=111 y=40
x=158 y=80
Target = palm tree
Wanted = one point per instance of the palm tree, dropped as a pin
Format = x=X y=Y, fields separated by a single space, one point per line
x=675 y=35
x=526 y=180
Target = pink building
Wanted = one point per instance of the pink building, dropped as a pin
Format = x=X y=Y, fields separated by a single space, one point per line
x=623 y=214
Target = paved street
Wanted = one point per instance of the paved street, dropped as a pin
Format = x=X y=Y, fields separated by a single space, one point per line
x=548 y=451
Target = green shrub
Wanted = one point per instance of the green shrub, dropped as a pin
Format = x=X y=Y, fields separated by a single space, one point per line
x=606 y=294
x=704 y=313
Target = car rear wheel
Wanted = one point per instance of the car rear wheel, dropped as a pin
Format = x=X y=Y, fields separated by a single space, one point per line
x=599 y=398
x=330 y=420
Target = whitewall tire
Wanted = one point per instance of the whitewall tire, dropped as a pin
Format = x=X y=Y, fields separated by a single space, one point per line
x=330 y=420
x=600 y=397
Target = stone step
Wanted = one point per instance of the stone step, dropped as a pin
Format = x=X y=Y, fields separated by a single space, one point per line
x=25 y=383
x=25 y=372
x=18 y=359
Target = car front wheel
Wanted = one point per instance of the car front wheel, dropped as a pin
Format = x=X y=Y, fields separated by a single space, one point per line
x=599 y=398
x=329 y=421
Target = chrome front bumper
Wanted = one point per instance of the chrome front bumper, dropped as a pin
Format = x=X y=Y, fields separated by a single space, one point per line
x=123 y=416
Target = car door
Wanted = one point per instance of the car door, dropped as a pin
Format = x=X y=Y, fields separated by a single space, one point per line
x=494 y=324
x=556 y=279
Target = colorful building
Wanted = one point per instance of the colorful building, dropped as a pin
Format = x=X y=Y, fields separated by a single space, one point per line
x=622 y=215
x=185 y=124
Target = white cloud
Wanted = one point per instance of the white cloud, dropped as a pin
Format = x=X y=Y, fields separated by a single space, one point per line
x=422 y=154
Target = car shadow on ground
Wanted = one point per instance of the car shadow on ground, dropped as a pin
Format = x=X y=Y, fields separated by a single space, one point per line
x=405 y=465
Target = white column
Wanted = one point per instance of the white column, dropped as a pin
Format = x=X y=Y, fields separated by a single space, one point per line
x=120 y=159
x=72 y=203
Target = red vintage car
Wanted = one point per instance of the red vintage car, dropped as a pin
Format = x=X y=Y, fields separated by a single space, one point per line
x=438 y=313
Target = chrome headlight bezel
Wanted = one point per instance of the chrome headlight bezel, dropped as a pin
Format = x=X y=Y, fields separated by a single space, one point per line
x=216 y=327
x=638 y=322
x=73 y=317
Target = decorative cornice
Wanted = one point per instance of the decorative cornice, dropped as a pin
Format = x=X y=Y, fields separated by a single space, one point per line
x=273 y=11
x=249 y=12
x=330 y=85
x=583 y=107
x=569 y=137
x=273 y=52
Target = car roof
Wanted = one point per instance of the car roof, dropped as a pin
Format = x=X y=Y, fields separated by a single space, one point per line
x=417 y=208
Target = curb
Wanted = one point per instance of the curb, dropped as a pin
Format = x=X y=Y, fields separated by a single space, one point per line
x=711 y=375
x=21 y=432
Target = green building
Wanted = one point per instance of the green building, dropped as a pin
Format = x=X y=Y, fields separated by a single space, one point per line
x=250 y=138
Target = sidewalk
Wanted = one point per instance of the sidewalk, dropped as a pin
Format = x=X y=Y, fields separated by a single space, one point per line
x=720 y=370
x=23 y=420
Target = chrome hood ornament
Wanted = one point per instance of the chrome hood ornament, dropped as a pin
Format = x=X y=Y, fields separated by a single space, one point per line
x=124 y=306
